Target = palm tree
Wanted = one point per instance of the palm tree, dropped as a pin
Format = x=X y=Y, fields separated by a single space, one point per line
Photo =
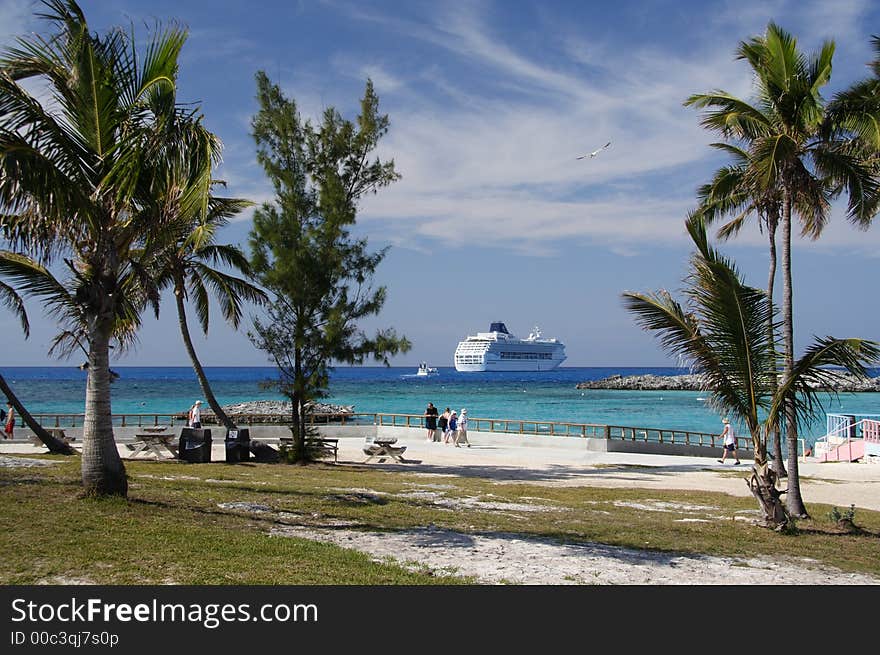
x=72 y=184
x=855 y=112
x=735 y=191
x=190 y=270
x=792 y=151
x=722 y=330
x=179 y=188
x=13 y=302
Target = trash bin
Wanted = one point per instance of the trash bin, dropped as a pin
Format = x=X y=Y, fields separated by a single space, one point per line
x=195 y=445
x=238 y=445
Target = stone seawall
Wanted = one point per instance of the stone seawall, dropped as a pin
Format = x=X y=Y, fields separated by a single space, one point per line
x=844 y=383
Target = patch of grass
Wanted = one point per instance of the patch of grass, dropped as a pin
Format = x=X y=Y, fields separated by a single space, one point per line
x=172 y=530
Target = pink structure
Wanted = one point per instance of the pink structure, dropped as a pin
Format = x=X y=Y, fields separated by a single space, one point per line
x=855 y=439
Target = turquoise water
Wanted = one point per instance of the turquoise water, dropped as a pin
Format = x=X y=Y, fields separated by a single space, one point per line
x=547 y=396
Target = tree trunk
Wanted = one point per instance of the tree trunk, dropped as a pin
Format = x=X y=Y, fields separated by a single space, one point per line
x=772 y=222
x=200 y=372
x=103 y=472
x=54 y=445
x=297 y=405
x=762 y=484
x=794 y=502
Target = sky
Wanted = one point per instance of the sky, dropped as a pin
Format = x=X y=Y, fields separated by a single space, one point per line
x=490 y=103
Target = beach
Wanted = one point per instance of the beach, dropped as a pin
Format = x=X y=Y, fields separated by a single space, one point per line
x=501 y=558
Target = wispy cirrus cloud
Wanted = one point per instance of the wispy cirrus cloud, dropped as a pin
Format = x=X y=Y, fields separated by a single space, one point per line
x=486 y=131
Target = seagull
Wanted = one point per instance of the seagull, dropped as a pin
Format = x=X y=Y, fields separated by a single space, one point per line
x=595 y=152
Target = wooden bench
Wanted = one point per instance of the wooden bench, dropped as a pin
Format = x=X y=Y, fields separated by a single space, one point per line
x=58 y=433
x=321 y=446
x=325 y=447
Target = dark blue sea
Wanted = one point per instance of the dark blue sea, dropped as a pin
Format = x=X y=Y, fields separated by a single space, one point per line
x=546 y=396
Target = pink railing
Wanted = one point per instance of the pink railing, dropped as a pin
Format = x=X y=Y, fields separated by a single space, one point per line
x=871 y=430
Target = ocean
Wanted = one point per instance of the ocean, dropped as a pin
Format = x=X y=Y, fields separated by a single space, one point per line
x=546 y=396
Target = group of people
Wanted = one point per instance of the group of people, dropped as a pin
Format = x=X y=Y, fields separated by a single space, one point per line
x=453 y=426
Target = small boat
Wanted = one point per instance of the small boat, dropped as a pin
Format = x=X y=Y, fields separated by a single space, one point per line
x=424 y=369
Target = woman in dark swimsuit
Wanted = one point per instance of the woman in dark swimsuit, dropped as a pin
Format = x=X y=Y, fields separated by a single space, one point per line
x=443 y=422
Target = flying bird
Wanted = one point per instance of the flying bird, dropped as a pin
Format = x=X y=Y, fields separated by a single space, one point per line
x=595 y=152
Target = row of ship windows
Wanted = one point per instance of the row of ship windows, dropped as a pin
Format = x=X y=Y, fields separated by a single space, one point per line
x=478 y=359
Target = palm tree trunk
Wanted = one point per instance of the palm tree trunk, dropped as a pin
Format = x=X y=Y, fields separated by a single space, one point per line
x=103 y=472
x=54 y=445
x=200 y=372
x=772 y=222
x=297 y=403
x=794 y=502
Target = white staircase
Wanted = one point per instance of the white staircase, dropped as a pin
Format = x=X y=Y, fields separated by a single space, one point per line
x=849 y=438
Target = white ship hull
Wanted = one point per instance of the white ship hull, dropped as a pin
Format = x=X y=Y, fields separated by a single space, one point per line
x=507 y=366
x=498 y=350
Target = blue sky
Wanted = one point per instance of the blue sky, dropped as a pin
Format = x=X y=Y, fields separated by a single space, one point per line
x=490 y=104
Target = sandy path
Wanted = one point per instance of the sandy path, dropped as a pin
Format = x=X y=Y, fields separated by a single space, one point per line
x=511 y=559
x=506 y=558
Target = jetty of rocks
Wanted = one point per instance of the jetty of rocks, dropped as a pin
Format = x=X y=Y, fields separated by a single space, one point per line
x=270 y=411
x=844 y=382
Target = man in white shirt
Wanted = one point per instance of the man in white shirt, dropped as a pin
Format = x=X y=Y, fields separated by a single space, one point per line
x=729 y=442
x=195 y=415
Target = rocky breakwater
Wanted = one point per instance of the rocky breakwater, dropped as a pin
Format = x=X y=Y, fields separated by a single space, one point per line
x=842 y=382
x=273 y=411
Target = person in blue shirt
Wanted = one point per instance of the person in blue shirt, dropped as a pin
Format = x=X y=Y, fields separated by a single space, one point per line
x=451 y=427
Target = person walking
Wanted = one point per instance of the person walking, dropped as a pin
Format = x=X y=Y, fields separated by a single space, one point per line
x=431 y=421
x=443 y=423
x=194 y=419
x=9 y=428
x=729 y=442
x=461 y=435
x=452 y=428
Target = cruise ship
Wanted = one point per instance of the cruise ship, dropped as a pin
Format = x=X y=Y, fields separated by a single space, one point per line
x=499 y=350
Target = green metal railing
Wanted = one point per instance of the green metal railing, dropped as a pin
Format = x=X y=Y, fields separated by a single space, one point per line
x=417 y=421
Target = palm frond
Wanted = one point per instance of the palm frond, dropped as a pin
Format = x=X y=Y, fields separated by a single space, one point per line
x=230 y=292
x=31 y=279
x=730 y=116
x=810 y=374
x=14 y=303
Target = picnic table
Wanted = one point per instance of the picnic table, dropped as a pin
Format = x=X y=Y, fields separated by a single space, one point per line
x=154 y=440
x=383 y=447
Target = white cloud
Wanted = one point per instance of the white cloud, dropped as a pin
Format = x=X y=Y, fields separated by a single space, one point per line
x=491 y=153
x=383 y=81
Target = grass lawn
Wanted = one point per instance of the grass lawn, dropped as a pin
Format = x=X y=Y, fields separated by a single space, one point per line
x=173 y=530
